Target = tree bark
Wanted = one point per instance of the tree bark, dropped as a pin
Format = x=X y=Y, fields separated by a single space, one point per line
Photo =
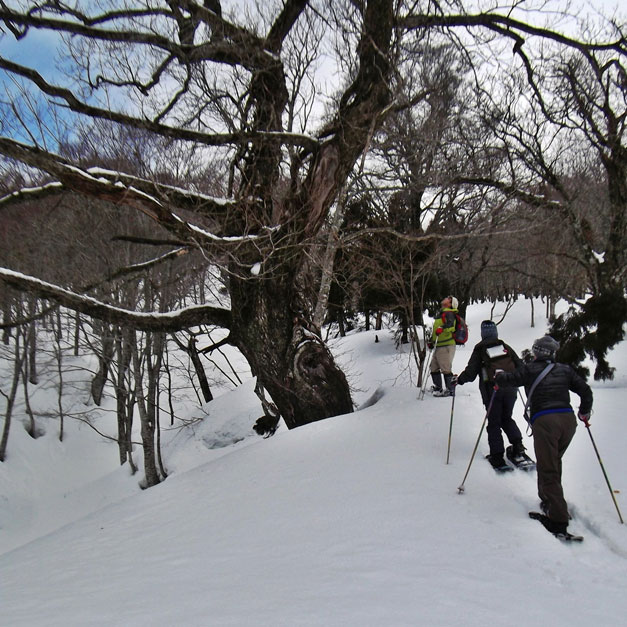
x=287 y=355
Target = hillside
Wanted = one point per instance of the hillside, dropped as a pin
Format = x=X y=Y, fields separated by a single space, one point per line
x=356 y=520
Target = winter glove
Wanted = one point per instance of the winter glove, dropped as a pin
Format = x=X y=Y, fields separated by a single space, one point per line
x=439 y=330
x=499 y=378
x=585 y=418
x=430 y=345
x=455 y=380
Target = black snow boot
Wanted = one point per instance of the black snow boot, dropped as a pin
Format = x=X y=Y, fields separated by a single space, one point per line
x=437 y=381
x=497 y=460
x=447 y=382
x=544 y=508
x=518 y=448
x=552 y=525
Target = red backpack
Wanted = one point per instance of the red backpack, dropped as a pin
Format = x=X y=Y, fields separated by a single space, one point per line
x=460 y=334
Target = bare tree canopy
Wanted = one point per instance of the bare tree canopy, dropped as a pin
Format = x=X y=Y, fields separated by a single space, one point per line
x=244 y=85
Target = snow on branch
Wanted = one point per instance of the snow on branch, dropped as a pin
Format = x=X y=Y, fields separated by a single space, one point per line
x=151 y=198
x=144 y=321
x=27 y=194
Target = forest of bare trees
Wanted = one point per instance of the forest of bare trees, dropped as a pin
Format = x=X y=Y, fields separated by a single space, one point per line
x=264 y=168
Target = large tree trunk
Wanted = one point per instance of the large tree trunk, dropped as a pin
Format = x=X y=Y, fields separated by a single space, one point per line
x=271 y=324
x=286 y=354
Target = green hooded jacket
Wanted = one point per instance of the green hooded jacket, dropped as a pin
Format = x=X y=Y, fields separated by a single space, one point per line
x=442 y=334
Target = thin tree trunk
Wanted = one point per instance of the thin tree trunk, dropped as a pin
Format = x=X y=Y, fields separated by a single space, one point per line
x=32 y=343
x=20 y=356
x=533 y=317
x=6 y=318
x=192 y=351
x=59 y=359
x=124 y=410
x=146 y=416
x=77 y=332
x=328 y=262
x=32 y=354
x=104 y=364
x=154 y=375
x=32 y=427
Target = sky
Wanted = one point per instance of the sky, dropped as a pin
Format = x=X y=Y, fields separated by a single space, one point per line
x=355 y=520
x=38 y=48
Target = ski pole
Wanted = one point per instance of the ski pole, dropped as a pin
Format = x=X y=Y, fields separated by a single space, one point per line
x=525 y=414
x=460 y=489
x=450 y=429
x=425 y=374
x=596 y=450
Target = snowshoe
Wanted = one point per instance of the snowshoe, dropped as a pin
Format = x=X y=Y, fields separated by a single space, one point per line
x=520 y=459
x=498 y=463
x=550 y=526
x=442 y=393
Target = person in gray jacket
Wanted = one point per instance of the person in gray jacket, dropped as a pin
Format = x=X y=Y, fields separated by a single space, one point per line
x=552 y=420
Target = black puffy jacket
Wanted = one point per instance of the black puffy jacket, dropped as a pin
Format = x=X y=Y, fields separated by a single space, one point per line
x=476 y=366
x=553 y=391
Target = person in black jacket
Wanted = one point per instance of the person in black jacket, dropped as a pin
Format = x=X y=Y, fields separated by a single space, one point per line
x=552 y=421
x=489 y=355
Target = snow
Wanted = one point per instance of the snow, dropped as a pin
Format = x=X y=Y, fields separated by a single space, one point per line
x=28 y=191
x=355 y=520
x=114 y=174
x=226 y=238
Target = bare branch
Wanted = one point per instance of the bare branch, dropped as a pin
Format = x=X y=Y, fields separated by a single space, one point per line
x=284 y=22
x=145 y=321
x=207 y=139
x=508 y=26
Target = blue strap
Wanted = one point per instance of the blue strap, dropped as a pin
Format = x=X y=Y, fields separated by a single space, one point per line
x=561 y=410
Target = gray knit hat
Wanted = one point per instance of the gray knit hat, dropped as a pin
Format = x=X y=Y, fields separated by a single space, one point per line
x=545 y=348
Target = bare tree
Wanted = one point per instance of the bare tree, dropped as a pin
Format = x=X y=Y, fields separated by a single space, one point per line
x=202 y=77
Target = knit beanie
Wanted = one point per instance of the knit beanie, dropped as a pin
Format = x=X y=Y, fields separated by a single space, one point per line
x=545 y=348
x=488 y=330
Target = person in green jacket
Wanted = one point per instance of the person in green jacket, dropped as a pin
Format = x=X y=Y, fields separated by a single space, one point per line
x=443 y=345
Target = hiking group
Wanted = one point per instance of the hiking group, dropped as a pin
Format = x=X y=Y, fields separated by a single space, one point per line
x=547 y=385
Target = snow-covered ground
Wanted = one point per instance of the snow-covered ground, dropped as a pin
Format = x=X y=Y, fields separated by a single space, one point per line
x=355 y=520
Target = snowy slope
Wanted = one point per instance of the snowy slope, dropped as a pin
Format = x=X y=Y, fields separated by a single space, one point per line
x=352 y=521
